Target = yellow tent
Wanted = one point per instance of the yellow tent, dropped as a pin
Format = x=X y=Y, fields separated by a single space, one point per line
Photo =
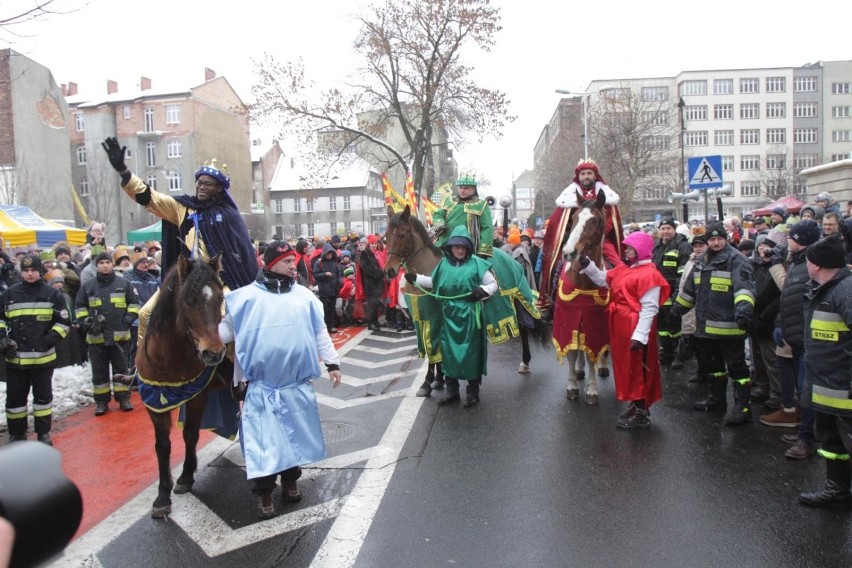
x=21 y=227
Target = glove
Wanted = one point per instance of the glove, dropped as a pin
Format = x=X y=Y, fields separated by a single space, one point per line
x=410 y=277
x=778 y=336
x=115 y=153
x=677 y=310
x=95 y=325
x=778 y=254
x=439 y=231
x=636 y=345
x=584 y=262
x=9 y=347
x=478 y=294
x=743 y=322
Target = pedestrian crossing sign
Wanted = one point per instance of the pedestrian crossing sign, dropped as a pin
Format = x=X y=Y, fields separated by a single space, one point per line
x=705 y=172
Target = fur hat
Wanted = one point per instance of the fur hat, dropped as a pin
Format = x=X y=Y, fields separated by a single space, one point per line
x=32 y=261
x=827 y=253
x=275 y=252
x=804 y=232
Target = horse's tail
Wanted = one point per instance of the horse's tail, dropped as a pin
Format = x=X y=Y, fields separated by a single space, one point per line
x=541 y=333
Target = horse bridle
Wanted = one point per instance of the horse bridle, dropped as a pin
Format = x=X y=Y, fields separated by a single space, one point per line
x=403 y=259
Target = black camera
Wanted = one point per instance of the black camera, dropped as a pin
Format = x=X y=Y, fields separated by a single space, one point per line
x=43 y=505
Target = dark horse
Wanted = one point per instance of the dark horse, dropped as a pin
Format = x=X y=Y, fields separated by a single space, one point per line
x=181 y=359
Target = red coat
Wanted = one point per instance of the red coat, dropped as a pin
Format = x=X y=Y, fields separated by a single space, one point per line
x=635 y=379
x=348 y=289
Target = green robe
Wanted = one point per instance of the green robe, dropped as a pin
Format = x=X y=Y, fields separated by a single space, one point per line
x=473 y=214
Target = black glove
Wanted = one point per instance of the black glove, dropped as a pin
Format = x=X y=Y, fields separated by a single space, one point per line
x=777 y=255
x=8 y=347
x=439 y=231
x=478 y=293
x=410 y=277
x=115 y=153
x=636 y=345
x=677 y=310
x=584 y=261
x=94 y=325
x=743 y=322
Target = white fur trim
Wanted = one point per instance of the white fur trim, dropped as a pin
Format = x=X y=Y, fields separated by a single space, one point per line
x=568 y=198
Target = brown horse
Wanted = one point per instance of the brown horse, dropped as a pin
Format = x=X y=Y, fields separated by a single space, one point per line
x=181 y=359
x=580 y=326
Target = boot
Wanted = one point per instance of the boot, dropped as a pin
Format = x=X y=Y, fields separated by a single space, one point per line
x=666 y=350
x=836 y=494
x=687 y=349
x=17 y=437
x=677 y=362
x=425 y=389
x=472 y=395
x=45 y=439
x=716 y=395
x=741 y=411
x=438 y=383
x=101 y=408
x=452 y=392
x=125 y=405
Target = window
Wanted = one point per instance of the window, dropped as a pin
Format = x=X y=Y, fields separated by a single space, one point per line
x=698 y=138
x=84 y=188
x=750 y=136
x=804 y=110
x=173 y=148
x=79 y=122
x=724 y=137
x=723 y=112
x=776 y=161
x=127 y=113
x=175 y=182
x=278 y=205
x=802 y=161
x=347 y=227
x=805 y=135
x=776 y=188
x=81 y=155
x=347 y=203
x=776 y=84
x=149 y=119
x=309 y=202
x=776 y=110
x=657 y=142
x=776 y=135
x=727 y=163
x=656 y=118
x=657 y=194
x=150 y=154
x=841 y=135
x=840 y=88
x=696 y=112
x=152 y=182
x=333 y=229
x=723 y=87
x=310 y=227
x=749 y=163
x=297 y=204
x=172 y=114
x=750 y=110
x=838 y=157
x=840 y=112
x=332 y=203
x=691 y=88
x=750 y=189
x=749 y=85
x=651 y=94
x=804 y=84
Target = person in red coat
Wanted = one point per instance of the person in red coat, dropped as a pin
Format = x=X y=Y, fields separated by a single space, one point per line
x=637 y=289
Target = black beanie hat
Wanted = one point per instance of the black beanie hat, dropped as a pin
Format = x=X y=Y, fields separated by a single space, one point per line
x=669 y=221
x=827 y=253
x=32 y=261
x=102 y=256
x=805 y=232
x=716 y=229
x=276 y=251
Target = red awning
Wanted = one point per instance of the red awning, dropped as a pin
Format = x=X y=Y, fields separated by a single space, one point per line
x=792 y=204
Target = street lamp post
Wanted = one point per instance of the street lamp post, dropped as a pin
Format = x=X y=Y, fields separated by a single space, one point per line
x=505 y=203
x=680 y=106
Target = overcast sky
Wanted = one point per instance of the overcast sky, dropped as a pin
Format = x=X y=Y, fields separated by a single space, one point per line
x=544 y=45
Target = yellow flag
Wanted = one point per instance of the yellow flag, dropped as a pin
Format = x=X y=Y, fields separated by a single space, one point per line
x=392 y=198
x=79 y=206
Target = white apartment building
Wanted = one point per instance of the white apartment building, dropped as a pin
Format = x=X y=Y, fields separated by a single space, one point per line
x=768 y=124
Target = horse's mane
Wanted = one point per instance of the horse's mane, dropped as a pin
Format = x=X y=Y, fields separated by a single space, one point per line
x=396 y=220
x=163 y=315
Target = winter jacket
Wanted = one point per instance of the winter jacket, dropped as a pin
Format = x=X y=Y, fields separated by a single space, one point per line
x=328 y=286
x=721 y=288
x=34 y=316
x=110 y=298
x=371 y=276
x=144 y=284
x=767 y=299
x=790 y=316
x=828 y=344
x=670 y=258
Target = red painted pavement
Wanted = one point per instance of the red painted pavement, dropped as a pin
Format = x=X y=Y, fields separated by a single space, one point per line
x=111 y=458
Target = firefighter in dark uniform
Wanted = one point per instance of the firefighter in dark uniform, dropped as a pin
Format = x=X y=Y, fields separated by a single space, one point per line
x=828 y=367
x=33 y=319
x=107 y=305
x=721 y=288
x=671 y=253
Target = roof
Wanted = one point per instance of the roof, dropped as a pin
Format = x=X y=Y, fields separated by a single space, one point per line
x=349 y=171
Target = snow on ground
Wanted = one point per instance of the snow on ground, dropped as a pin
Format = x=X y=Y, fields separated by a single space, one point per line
x=72 y=390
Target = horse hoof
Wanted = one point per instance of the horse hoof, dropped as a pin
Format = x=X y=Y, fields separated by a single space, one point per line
x=161 y=512
x=572 y=394
x=181 y=488
x=603 y=372
x=581 y=375
x=423 y=392
x=591 y=399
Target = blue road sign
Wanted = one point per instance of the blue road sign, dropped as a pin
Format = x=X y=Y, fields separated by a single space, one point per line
x=705 y=172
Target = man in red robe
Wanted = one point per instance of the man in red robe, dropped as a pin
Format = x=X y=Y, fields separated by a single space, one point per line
x=588 y=182
x=637 y=289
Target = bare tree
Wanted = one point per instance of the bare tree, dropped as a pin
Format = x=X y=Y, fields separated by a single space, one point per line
x=777 y=175
x=19 y=185
x=411 y=81
x=630 y=137
x=103 y=201
x=258 y=226
x=14 y=16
